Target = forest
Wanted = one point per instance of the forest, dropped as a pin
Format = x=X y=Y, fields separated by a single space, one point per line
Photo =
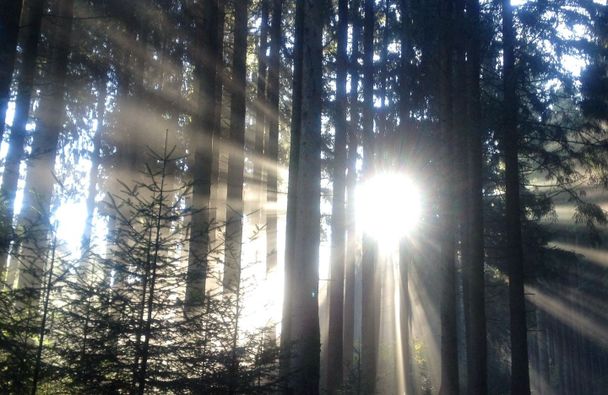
x=304 y=197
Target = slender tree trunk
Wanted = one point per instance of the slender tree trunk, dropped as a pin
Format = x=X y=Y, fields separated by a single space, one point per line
x=272 y=154
x=370 y=304
x=292 y=194
x=25 y=88
x=338 y=224
x=10 y=12
x=305 y=358
x=95 y=162
x=261 y=110
x=216 y=212
x=449 y=348
x=234 y=224
x=409 y=141
x=206 y=62
x=474 y=265
x=520 y=377
x=39 y=181
x=351 y=180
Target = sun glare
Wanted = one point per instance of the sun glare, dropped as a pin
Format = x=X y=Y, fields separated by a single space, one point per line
x=388 y=207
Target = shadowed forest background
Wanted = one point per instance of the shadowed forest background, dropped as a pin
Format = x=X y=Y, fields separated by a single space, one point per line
x=304 y=197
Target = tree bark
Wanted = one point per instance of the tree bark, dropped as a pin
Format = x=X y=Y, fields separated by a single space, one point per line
x=370 y=303
x=351 y=180
x=204 y=127
x=261 y=111
x=234 y=224
x=10 y=12
x=474 y=265
x=449 y=347
x=39 y=181
x=520 y=377
x=95 y=162
x=25 y=87
x=408 y=142
x=304 y=311
x=272 y=154
x=338 y=217
x=292 y=195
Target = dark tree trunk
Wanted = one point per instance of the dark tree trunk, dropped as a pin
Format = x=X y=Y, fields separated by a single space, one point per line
x=206 y=62
x=304 y=308
x=449 y=346
x=370 y=303
x=338 y=224
x=39 y=181
x=474 y=265
x=351 y=180
x=234 y=218
x=261 y=110
x=520 y=377
x=272 y=154
x=409 y=142
x=10 y=12
x=292 y=194
x=25 y=87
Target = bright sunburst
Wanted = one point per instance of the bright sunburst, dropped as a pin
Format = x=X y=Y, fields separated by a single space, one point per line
x=388 y=207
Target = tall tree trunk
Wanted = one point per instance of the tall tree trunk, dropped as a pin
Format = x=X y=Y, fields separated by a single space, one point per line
x=474 y=264
x=371 y=301
x=292 y=193
x=25 y=87
x=10 y=12
x=234 y=224
x=95 y=162
x=351 y=180
x=39 y=181
x=305 y=358
x=216 y=205
x=409 y=141
x=449 y=346
x=272 y=153
x=261 y=110
x=520 y=377
x=338 y=217
x=206 y=61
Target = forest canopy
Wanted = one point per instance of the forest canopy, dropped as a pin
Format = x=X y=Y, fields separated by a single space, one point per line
x=304 y=197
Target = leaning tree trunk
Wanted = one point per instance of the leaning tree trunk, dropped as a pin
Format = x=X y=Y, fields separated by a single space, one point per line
x=338 y=217
x=520 y=377
x=204 y=129
x=304 y=307
x=10 y=12
x=39 y=181
x=16 y=144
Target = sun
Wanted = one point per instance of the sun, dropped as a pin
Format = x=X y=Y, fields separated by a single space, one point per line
x=388 y=207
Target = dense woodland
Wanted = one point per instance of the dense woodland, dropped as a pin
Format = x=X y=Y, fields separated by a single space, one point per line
x=180 y=192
